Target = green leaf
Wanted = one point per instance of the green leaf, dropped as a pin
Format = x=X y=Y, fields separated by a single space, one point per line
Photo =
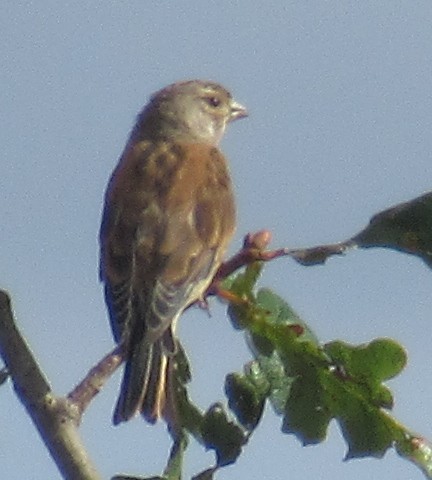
x=187 y=416
x=242 y=286
x=369 y=365
x=213 y=429
x=308 y=408
x=222 y=435
x=280 y=341
x=405 y=227
x=279 y=312
x=366 y=429
x=279 y=383
x=173 y=470
x=310 y=384
x=245 y=399
x=378 y=360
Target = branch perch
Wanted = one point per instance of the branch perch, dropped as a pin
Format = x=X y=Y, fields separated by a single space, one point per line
x=55 y=418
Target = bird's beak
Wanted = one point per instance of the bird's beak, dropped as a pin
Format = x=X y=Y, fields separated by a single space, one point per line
x=237 y=111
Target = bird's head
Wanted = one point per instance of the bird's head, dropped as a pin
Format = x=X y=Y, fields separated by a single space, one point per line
x=192 y=111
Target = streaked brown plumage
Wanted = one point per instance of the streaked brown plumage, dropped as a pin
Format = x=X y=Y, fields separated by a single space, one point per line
x=168 y=217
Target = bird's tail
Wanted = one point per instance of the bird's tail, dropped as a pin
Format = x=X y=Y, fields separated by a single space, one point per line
x=145 y=380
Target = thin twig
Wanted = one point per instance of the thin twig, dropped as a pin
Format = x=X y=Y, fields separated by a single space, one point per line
x=92 y=384
x=253 y=250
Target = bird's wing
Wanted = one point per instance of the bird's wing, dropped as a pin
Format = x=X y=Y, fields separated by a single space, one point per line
x=168 y=217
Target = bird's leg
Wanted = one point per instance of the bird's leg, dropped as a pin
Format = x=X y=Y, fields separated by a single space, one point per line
x=204 y=305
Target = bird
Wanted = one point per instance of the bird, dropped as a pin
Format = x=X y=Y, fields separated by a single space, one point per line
x=168 y=217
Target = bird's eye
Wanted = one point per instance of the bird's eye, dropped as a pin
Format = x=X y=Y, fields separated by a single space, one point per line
x=214 y=101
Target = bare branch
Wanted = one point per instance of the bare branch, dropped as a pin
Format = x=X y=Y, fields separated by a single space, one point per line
x=92 y=384
x=55 y=418
x=253 y=250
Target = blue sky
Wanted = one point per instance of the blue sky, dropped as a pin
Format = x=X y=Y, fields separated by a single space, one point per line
x=339 y=94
